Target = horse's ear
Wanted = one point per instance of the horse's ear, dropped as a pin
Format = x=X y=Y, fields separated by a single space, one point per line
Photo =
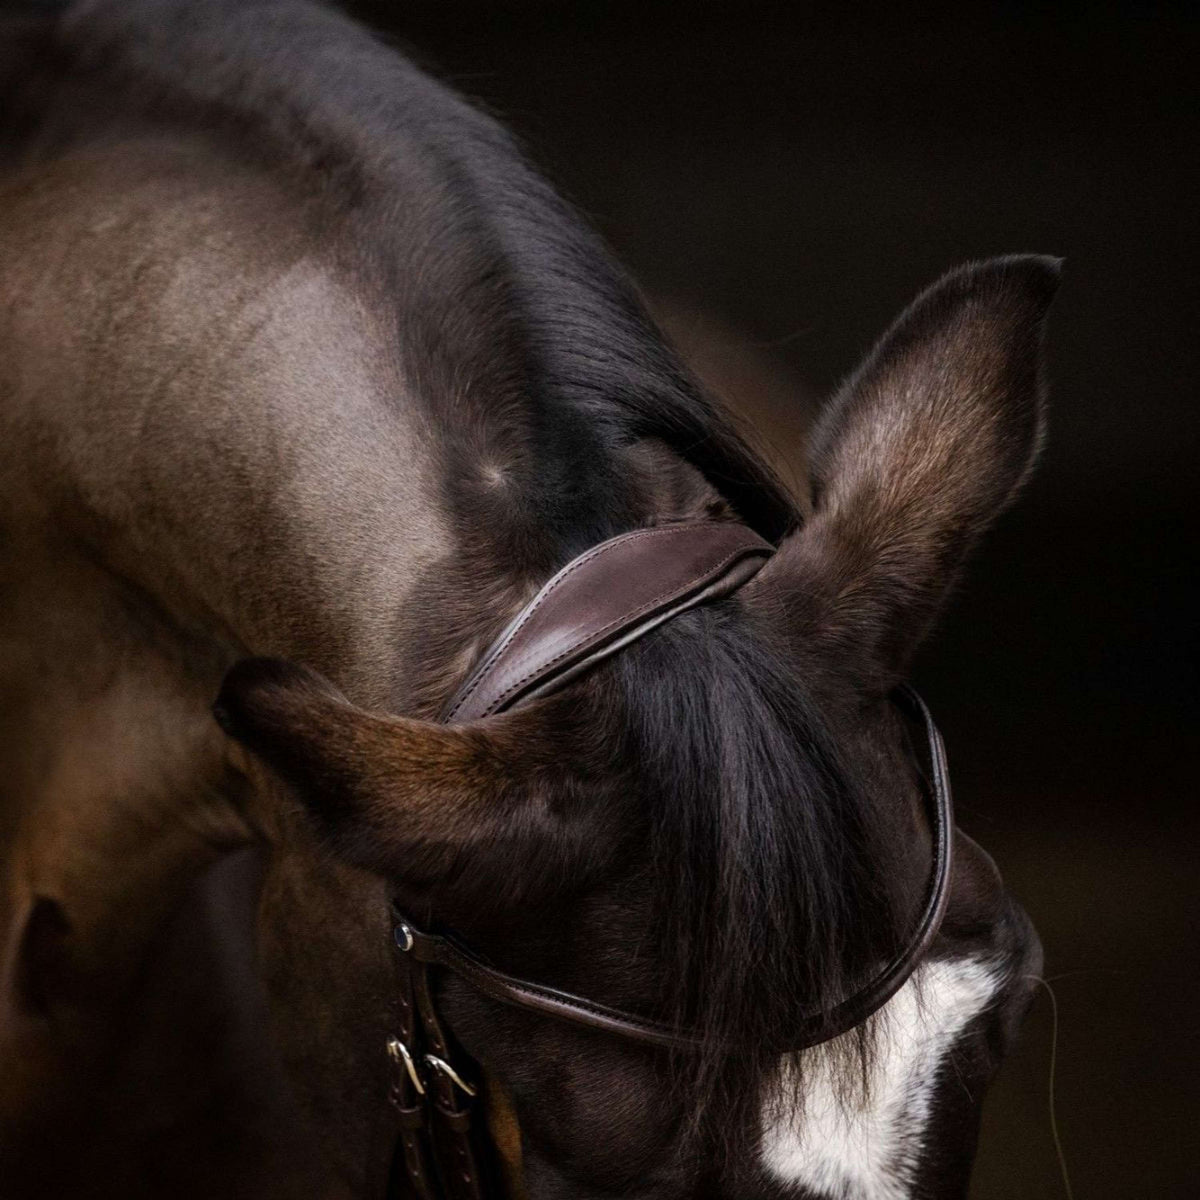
x=915 y=457
x=394 y=795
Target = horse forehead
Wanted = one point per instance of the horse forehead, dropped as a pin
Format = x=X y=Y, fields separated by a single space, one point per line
x=838 y=1143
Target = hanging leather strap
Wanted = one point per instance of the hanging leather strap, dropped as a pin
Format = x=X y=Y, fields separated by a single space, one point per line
x=453 y=1101
x=440 y=1151
x=407 y=1094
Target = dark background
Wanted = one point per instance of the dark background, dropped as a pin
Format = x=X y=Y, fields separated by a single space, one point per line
x=797 y=175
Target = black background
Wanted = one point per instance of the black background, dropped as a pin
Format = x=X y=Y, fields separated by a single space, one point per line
x=797 y=174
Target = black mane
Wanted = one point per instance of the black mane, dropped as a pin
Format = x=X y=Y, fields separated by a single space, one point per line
x=771 y=865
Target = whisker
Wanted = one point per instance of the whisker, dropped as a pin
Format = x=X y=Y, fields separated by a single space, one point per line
x=1058 y=1148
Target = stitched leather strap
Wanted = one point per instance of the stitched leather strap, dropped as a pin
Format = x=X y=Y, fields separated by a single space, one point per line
x=441 y=1150
x=603 y=600
x=452 y=1109
x=445 y=952
x=870 y=999
x=411 y=1117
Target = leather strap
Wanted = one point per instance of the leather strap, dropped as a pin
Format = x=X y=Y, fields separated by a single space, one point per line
x=452 y=1103
x=409 y=1102
x=812 y=1028
x=870 y=999
x=603 y=600
x=440 y=1150
x=444 y=951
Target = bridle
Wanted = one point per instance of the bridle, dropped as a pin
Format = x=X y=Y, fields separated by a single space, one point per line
x=598 y=603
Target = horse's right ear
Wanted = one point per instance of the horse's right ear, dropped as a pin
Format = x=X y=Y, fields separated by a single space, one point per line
x=398 y=796
x=915 y=457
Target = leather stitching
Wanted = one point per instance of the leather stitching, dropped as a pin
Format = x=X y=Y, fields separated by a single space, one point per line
x=629 y=618
x=503 y=989
x=581 y=561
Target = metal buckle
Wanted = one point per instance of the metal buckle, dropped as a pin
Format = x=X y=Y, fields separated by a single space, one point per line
x=398 y=1052
x=440 y=1064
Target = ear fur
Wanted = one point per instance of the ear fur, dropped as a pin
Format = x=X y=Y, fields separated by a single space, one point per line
x=919 y=452
x=394 y=795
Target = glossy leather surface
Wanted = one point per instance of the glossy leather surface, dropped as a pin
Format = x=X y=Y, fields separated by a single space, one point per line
x=603 y=600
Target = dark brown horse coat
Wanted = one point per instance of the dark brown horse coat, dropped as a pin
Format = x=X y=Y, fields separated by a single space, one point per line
x=299 y=359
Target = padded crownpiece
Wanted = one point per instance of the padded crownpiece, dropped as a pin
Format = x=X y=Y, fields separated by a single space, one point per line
x=602 y=601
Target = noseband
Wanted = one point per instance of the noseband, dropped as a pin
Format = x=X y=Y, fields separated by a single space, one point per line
x=597 y=604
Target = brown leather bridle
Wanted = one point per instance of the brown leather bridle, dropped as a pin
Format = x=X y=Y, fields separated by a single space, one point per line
x=598 y=603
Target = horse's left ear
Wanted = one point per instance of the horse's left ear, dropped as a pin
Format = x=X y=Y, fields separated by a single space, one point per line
x=392 y=794
x=915 y=457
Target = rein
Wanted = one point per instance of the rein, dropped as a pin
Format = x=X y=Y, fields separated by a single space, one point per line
x=598 y=603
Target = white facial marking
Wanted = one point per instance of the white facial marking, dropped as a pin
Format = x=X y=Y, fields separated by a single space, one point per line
x=841 y=1147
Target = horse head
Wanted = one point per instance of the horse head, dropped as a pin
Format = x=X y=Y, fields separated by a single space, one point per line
x=724 y=826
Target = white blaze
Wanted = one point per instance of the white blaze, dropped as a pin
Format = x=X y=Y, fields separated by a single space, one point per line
x=843 y=1148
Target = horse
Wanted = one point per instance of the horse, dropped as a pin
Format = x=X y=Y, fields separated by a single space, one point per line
x=309 y=384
